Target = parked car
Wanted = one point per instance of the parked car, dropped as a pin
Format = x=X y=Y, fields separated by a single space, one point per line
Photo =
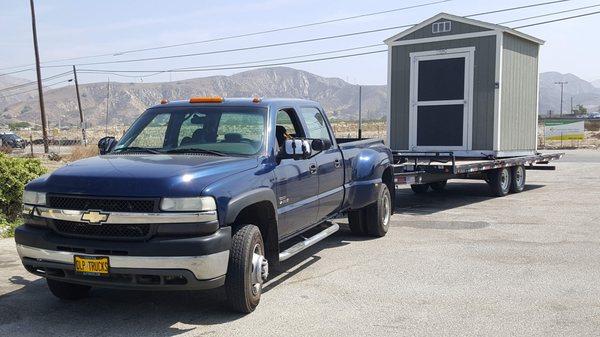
x=203 y=193
x=12 y=140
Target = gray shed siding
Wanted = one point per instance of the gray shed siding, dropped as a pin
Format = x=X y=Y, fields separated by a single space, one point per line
x=483 y=93
x=518 y=109
x=457 y=28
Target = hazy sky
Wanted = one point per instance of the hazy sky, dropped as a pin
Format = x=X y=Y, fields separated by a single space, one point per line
x=80 y=28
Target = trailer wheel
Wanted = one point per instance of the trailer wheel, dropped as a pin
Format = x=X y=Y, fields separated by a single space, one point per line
x=420 y=188
x=374 y=219
x=499 y=181
x=247 y=269
x=68 y=291
x=517 y=183
x=438 y=186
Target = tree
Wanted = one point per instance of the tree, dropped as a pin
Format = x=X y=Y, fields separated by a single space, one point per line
x=580 y=110
x=18 y=126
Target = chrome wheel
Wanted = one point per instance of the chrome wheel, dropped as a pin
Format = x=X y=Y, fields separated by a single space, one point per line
x=505 y=179
x=260 y=269
x=387 y=211
x=519 y=176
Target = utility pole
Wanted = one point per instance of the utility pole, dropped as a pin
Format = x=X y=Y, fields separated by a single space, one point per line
x=359 y=112
x=39 y=79
x=81 y=121
x=107 y=99
x=573 y=112
x=562 y=87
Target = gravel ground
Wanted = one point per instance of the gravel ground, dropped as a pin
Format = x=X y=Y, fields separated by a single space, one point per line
x=453 y=263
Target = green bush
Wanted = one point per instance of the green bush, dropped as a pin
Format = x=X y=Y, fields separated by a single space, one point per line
x=14 y=174
x=7 y=228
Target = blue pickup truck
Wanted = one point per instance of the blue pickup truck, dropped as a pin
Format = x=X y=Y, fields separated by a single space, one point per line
x=203 y=193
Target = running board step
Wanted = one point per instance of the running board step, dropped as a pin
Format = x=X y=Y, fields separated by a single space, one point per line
x=300 y=246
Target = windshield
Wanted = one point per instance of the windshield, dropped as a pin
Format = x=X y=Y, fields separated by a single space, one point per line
x=11 y=136
x=210 y=130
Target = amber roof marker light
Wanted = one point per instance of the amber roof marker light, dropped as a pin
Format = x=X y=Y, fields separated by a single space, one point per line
x=164 y=101
x=256 y=99
x=208 y=99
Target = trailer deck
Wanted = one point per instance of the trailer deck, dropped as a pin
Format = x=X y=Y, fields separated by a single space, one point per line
x=413 y=168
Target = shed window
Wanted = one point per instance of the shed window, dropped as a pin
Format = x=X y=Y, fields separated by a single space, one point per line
x=441 y=27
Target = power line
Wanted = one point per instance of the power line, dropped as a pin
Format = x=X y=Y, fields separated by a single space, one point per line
x=286 y=28
x=229 y=37
x=559 y=19
x=550 y=14
x=253 y=66
x=26 y=91
x=279 y=44
x=16 y=72
x=103 y=71
x=516 y=8
x=33 y=82
x=232 y=66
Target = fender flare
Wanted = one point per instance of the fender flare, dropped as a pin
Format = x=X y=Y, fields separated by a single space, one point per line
x=239 y=202
x=369 y=165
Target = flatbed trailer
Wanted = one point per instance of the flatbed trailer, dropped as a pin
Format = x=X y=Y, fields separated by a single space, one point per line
x=424 y=170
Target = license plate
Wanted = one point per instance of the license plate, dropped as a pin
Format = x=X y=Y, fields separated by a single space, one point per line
x=91 y=265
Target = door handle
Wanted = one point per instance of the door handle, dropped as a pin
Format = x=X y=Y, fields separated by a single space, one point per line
x=312 y=168
x=337 y=163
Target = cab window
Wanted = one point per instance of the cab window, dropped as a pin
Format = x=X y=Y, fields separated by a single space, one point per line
x=316 y=127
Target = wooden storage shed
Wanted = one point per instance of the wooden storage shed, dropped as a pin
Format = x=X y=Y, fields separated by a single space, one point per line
x=462 y=85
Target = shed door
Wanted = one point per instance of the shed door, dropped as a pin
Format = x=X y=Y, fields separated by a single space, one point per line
x=441 y=90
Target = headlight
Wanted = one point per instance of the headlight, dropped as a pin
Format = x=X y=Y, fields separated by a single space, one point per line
x=188 y=204
x=34 y=198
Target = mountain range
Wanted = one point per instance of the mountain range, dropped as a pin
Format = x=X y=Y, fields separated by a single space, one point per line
x=339 y=98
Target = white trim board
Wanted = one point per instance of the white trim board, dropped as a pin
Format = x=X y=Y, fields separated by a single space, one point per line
x=491 y=26
x=498 y=91
x=388 y=137
x=444 y=38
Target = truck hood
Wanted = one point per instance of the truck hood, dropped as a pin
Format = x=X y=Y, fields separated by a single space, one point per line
x=152 y=175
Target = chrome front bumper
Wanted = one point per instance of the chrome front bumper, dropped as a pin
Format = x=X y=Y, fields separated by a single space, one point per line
x=204 y=267
x=120 y=217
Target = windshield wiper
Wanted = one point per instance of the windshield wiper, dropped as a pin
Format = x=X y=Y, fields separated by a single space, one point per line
x=196 y=150
x=135 y=149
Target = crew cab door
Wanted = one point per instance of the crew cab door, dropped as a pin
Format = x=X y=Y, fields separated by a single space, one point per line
x=330 y=166
x=296 y=180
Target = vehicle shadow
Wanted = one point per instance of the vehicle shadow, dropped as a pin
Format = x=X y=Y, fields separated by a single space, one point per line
x=456 y=194
x=32 y=308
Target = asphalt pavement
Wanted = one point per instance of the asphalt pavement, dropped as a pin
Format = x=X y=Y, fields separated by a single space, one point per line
x=459 y=262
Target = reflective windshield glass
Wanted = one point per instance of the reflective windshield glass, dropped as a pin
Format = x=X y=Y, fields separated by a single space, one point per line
x=217 y=130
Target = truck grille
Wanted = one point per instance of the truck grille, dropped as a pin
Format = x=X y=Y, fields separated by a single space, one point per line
x=108 y=231
x=105 y=204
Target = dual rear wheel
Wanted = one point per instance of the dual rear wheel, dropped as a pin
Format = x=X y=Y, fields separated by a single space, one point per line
x=374 y=219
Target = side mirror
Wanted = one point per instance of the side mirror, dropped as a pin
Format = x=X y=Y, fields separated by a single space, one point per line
x=106 y=144
x=297 y=149
x=319 y=145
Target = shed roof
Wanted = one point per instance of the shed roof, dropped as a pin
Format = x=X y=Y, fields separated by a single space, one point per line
x=465 y=20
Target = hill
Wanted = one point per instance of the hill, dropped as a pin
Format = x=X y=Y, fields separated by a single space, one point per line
x=128 y=100
x=340 y=99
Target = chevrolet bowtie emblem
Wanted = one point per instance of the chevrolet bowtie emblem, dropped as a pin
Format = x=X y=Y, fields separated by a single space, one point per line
x=94 y=217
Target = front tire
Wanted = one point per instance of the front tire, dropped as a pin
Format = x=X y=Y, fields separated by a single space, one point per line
x=517 y=183
x=68 y=291
x=374 y=219
x=247 y=269
x=499 y=181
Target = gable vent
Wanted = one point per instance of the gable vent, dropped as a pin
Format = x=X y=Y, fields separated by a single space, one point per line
x=441 y=27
